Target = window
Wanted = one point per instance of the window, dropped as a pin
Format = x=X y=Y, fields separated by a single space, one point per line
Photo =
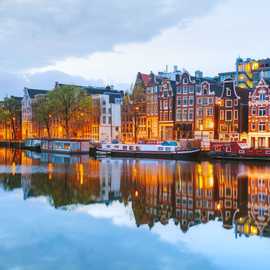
x=228 y=92
x=190 y=115
x=253 y=126
x=178 y=115
x=228 y=116
x=104 y=119
x=179 y=101
x=235 y=115
x=262 y=96
x=261 y=126
x=253 y=111
x=199 y=101
x=165 y=93
x=104 y=110
x=184 y=89
x=185 y=100
x=200 y=112
x=191 y=100
x=210 y=111
x=191 y=89
x=236 y=102
x=262 y=112
x=210 y=100
x=228 y=103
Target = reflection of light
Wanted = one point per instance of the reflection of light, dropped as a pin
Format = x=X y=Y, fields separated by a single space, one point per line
x=81 y=171
x=254 y=230
x=136 y=193
x=50 y=170
x=13 y=168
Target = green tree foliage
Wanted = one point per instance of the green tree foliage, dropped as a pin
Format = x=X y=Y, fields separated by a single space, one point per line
x=42 y=111
x=70 y=104
x=10 y=114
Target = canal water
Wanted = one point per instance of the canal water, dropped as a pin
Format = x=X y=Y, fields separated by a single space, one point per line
x=62 y=212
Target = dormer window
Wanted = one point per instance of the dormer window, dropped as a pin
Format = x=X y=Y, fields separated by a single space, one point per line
x=228 y=92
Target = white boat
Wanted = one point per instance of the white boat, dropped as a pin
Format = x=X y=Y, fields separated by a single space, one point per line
x=166 y=151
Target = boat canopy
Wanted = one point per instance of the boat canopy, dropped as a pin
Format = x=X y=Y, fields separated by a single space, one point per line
x=169 y=143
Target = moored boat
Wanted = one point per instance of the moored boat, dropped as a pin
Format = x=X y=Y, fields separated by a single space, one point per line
x=65 y=146
x=238 y=151
x=158 y=151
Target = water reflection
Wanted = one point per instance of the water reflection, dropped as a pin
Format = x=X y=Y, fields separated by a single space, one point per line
x=189 y=193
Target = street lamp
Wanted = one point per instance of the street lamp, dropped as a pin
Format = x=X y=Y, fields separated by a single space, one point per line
x=135 y=122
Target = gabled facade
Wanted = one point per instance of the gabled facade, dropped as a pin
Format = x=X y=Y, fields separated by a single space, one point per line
x=139 y=102
x=232 y=112
x=206 y=125
x=29 y=127
x=127 y=120
x=166 y=106
x=185 y=107
x=152 y=127
x=259 y=116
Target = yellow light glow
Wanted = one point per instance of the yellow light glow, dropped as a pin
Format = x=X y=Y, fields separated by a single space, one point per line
x=218 y=206
x=136 y=193
x=81 y=171
x=13 y=168
x=254 y=230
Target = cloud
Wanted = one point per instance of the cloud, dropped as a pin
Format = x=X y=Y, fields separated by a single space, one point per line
x=13 y=83
x=36 y=33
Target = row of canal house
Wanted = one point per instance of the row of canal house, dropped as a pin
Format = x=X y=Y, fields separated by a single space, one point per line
x=186 y=107
x=102 y=124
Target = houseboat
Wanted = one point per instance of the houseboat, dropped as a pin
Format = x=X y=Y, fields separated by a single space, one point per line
x=166 y=150
x=65 y=146
x=238 y=151
x=32 y=144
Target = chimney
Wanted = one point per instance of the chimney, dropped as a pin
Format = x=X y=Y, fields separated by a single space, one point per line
x=167 y=68
x=175 y=68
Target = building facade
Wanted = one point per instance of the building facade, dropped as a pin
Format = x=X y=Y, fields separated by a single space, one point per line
x=259 y=116
x=206 y=124
x=185 y=107
x=166 y=107
x=232 y=112
x=152 y=123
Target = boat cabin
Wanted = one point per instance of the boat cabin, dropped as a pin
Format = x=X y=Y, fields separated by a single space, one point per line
x=65 y=146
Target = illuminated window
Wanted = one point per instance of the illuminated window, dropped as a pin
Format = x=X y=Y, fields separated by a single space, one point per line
x=261 y=126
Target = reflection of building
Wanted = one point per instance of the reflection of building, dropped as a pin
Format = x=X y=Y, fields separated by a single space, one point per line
x=259 y=116
x=227 y=193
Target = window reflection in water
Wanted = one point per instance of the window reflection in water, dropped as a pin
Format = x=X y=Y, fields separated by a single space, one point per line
x=189 y=193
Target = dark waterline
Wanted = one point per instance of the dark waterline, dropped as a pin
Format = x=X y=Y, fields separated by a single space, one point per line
x=61 y=212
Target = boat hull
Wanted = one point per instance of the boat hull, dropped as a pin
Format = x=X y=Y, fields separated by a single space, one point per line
x=184 y=155
x=238 y=157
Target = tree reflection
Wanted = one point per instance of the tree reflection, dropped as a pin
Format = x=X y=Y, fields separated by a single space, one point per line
x=189 y=193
